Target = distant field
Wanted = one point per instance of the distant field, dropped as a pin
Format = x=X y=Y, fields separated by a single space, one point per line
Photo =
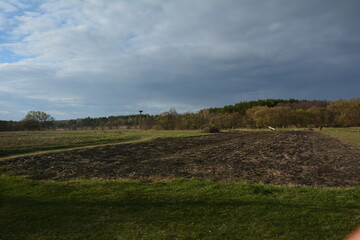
x=31 y=141
x=348 y=135
x=12 y=143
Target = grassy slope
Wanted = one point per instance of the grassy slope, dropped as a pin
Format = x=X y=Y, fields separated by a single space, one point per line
x=181 y=209
x=24 y=142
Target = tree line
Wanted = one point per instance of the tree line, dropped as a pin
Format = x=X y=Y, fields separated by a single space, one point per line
x=252 y=114
x=270 y=112
x=38 y=120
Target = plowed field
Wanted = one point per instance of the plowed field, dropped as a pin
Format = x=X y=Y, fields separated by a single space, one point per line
x=286 y=158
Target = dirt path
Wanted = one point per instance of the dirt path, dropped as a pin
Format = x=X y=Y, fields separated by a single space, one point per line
x=287 y=158
x=74 y=148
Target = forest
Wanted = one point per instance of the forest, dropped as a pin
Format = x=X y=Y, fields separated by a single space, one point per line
x=278 y=113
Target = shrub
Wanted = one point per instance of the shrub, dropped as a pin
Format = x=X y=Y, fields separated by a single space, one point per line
x=210 y=129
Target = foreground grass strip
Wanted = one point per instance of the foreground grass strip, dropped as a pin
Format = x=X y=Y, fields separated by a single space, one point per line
x=180 y=209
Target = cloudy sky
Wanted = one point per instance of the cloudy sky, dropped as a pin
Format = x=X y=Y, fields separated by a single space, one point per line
x=79 y=58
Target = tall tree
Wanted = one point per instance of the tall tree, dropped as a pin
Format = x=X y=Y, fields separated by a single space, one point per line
x=37 y=120
x=167 y=120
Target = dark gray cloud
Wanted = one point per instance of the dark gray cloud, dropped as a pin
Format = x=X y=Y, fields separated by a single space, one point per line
x=99 y=58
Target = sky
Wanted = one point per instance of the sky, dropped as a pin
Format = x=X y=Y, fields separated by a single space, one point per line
x=80 y=58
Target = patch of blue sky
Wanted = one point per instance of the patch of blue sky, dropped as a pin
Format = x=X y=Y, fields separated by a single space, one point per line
x=7 y=56
x=7 y=36
x=20 y=8
x=26 y=5
x=8 y=25
x=7 y=46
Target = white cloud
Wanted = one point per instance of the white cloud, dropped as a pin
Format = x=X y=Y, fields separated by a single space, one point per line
x=5 y=112
x=7 y=7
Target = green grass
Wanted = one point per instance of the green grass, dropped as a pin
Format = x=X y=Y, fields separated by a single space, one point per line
x=12 y=143
x=348 y=135
x=179 y=209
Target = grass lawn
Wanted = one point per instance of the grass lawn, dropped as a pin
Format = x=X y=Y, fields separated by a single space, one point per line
x=31 y=141
x=179 y=209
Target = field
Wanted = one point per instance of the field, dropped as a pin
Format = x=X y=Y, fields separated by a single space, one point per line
x=195 y=187
x=348 y=135
x=286 y=158
x=25 y=142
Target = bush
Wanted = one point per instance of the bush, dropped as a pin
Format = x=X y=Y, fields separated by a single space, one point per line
x=210 y=129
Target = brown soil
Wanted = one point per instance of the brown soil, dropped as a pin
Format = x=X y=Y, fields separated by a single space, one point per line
x=289 y=158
